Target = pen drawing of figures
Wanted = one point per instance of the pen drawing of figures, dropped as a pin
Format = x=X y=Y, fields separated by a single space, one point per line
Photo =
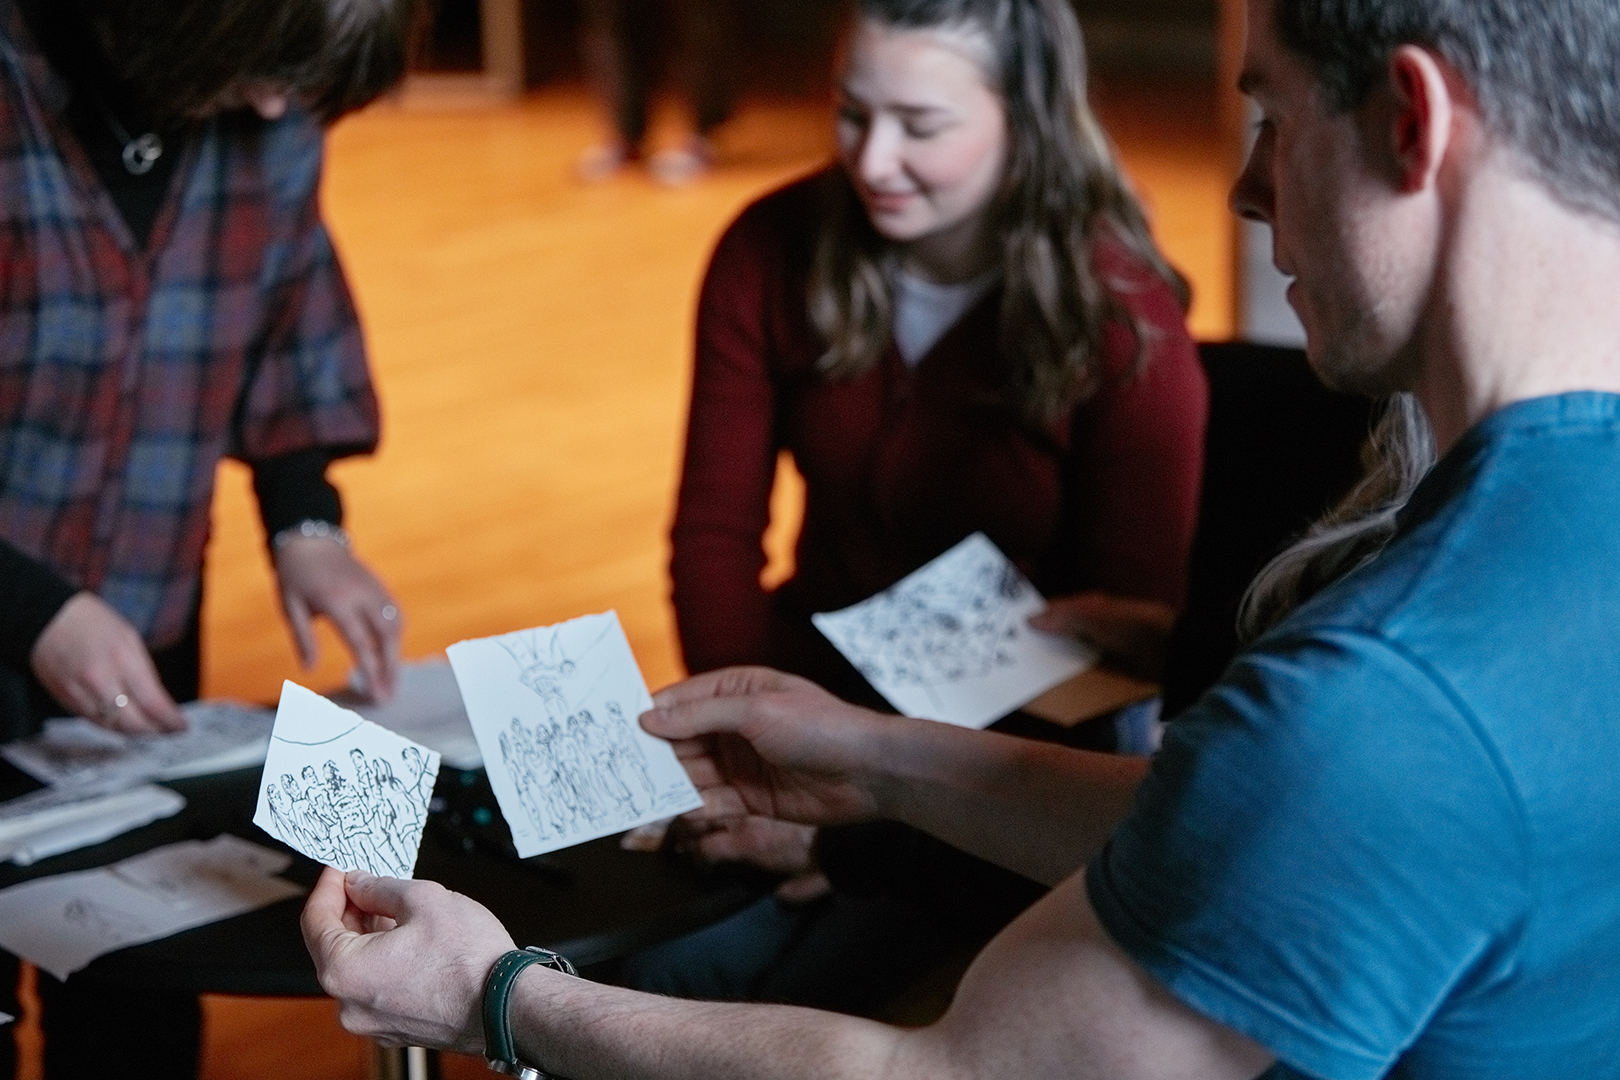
x=342 y=790
x=930 y=630
x=555 y=711
x=577 y=774
x=362 y=817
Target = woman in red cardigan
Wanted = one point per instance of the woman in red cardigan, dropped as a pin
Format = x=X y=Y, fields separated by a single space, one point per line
x=964 y=325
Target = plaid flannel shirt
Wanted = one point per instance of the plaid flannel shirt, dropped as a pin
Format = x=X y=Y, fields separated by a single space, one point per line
x=126 y=374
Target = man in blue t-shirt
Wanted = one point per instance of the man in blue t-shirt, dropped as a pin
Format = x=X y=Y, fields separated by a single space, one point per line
x=1387 y=842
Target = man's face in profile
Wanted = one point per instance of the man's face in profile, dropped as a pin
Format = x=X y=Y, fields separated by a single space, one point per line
x=1322 y=181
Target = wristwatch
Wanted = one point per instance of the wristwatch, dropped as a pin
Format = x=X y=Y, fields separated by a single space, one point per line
x=499 y=1053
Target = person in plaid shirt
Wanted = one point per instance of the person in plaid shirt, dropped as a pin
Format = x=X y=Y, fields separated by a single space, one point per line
x=169 y=296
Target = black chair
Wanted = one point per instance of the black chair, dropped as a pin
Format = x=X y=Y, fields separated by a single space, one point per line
x=1280 y=450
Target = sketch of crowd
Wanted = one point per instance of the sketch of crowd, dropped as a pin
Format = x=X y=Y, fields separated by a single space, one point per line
x=359 y=821
x=578 y=772
x=921 y=634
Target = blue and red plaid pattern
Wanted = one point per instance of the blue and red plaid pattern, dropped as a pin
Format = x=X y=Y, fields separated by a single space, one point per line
x=125 y=374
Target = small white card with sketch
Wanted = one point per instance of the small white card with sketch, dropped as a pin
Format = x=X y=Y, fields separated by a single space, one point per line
x=342 y=790
x=555 y=710
x=952 y=641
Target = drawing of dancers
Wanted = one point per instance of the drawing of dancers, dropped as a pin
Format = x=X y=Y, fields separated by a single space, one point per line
x=306 y=822
x=418 y=781
x=627 y=754
x=524 y=781
x=381 y=820
x=406 y=811
x=600 y=752
x=554 y=787
x=575 y=757
x=323 y=810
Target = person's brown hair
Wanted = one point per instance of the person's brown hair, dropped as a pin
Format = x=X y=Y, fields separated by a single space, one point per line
x=332 y=56
x=1061 y=192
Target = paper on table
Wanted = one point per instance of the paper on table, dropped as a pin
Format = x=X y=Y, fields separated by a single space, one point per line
x=73 y=752
x=555 y=709
x=58 y=824
x=952 y=640
x=342 y=790
x=62 y=923
x=427 y=709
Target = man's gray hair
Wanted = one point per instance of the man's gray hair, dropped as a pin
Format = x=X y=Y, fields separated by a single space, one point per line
x=1546 y=73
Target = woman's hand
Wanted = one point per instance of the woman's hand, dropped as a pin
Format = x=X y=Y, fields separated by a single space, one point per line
x=320 y=576
x=1130 y=633
x=93 y=662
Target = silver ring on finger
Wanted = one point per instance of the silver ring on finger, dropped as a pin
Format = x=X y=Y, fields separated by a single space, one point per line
x=119 y=702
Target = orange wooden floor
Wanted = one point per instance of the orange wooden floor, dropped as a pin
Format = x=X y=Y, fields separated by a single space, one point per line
x=529 y=334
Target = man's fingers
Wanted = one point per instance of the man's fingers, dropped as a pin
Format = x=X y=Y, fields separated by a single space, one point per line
x=719 y=804
x=703 y=772
x=385 y=896
x=726 y=683
x=1056 y=620
x=705 y=716
x=323 y=921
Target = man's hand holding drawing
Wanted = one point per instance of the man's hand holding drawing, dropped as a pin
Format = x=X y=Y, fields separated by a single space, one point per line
x=759 y=742
x=756 y=741
x=407 y=958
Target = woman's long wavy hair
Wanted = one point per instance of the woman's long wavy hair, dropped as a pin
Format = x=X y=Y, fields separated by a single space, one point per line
x=1061 y=191
x=1397 y=455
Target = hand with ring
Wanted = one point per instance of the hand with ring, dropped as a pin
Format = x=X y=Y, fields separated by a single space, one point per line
x=320 y=576
x=93 y=662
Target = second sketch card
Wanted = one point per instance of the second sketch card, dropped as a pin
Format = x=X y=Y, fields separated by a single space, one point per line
x=555 y=711
x=952 y=640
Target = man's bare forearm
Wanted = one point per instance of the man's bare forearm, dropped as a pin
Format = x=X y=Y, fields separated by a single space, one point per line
x=1051 y=996
x=1033 y=807
x=574 y=1028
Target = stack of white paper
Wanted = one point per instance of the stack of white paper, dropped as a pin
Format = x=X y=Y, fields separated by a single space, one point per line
x=62 y=923
x=54 y=820
x=74 y=752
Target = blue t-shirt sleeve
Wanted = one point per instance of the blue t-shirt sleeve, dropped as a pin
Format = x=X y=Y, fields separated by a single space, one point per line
x=1324 y=851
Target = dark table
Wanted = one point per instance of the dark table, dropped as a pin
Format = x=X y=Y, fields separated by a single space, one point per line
x=592 y=903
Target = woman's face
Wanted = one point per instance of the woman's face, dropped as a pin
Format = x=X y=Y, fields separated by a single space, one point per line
x=922 y=135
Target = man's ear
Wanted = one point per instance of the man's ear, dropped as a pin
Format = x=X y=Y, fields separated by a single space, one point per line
x=1424 y=103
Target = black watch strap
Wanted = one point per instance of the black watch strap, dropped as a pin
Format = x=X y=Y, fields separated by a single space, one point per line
x=499 y=1052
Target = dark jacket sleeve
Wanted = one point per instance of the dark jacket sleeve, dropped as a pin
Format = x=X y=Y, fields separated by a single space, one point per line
x=32 y=593
x=293 y=487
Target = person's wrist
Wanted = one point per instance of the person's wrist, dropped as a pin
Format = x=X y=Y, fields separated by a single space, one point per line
x=500 y=1048
x=310 y=529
